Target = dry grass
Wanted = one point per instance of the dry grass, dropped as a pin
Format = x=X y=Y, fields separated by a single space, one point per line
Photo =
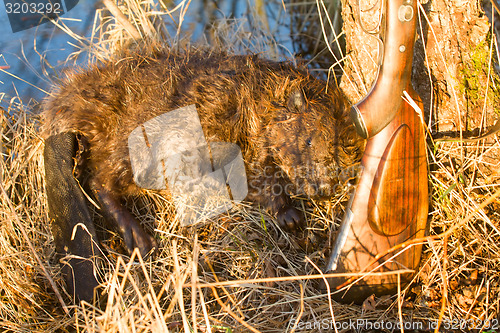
x=178 y=291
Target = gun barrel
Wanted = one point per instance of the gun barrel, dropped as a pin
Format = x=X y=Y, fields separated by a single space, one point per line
x=342 y=234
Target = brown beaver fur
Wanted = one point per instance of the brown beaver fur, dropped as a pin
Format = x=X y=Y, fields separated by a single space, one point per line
x=293 y=129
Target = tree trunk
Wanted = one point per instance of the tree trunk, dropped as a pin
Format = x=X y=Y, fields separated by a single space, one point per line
x=450 y=64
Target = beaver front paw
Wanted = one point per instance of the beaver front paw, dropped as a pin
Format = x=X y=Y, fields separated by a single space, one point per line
x=134 y=236
x=290 y=218
x=128 y=227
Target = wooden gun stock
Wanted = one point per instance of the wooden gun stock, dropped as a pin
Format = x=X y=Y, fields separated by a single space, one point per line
x=390 y=203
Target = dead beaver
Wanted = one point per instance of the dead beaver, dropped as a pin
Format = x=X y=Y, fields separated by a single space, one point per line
x=293 y=131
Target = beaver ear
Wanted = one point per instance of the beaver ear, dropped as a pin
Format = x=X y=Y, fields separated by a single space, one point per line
x=297 y=102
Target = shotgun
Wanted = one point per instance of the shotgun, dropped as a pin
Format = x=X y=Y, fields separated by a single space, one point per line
x=389 y=205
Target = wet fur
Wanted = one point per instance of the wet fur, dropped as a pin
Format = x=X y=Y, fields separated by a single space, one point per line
x=241 y=99
x=289 y=125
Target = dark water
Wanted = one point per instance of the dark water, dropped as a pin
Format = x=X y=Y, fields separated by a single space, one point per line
x=22 y=51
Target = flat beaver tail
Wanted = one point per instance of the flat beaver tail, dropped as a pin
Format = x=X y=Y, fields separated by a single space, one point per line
x=72 y=226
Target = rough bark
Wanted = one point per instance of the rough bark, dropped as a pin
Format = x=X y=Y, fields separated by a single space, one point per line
x=451 y=67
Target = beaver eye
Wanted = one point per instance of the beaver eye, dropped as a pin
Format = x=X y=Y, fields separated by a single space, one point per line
x=309 y=142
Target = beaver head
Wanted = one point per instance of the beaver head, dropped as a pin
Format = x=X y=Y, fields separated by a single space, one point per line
x=313 y=142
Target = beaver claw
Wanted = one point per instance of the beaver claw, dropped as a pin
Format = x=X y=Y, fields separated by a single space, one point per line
x=134 y=236
x=290 y=218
